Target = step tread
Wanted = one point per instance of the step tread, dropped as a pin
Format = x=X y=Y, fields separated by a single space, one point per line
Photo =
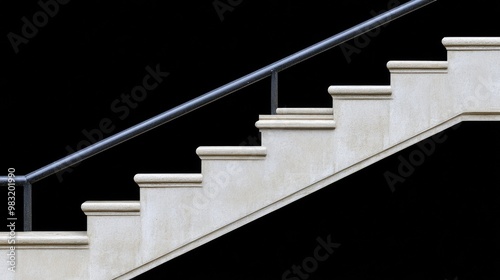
x=360 y=92
x=295 y=124
x=304 y=111
x=47 y=239
x=401 y=66
x=167 y=180
x=231 y=152
x=296 y=117
x=471 y=43
x=111 y=208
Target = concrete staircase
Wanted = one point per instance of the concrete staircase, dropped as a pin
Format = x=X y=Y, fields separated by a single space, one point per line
x=303 y=150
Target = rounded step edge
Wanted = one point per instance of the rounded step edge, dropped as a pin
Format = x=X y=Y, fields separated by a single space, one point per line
x=231 y=153
x=292 y=124
x=300 y=114
x=471 y=43
x=111 y=208
x=296 y=117
x=304 y=111
x=360 y=92
x=185 y=180
x=46 y=240
x=396 y=67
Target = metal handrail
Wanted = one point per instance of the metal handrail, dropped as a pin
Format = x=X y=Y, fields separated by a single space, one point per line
x=271 y=70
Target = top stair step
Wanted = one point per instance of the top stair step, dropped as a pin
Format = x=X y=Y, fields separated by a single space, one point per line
x=471 y=43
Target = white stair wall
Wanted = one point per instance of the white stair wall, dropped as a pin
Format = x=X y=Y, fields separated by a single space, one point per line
x=303 y=150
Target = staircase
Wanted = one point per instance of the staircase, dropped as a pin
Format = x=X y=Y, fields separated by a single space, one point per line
x=303 y=150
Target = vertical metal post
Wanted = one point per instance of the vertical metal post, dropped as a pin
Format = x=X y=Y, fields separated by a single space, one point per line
x=27 y=226
x=274 y=92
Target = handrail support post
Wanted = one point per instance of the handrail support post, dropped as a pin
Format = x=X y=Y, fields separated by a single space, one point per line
x=27 y=206
x=274 y=92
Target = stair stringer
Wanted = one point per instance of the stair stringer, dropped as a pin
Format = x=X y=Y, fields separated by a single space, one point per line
x=317 y=185
x=382 y=118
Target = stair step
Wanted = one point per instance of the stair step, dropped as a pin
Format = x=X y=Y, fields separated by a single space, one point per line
x=295 y=124
x=298 y=118
x=111 y=208
x=360 y=92
x=231 y=153
x=300 y=114
x=417 y=66
x=304 y=111
x=471 y=43
x=48 y=240
x=169 y=180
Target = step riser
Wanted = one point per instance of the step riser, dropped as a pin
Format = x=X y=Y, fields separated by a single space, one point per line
x=167 y=219
x=288 y=162
x=114 y=230
x=104 y=232
x=418 y=103
x=476 y=88
x=473 y=71
x=370 y=121
x=41 y=264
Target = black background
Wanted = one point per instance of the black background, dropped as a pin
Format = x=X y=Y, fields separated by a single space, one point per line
x=441 y=223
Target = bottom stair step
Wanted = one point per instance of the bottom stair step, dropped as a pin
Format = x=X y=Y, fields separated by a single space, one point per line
x=47 y=239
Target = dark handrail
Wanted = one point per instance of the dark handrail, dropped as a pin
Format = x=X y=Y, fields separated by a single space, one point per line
x=189 y=106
